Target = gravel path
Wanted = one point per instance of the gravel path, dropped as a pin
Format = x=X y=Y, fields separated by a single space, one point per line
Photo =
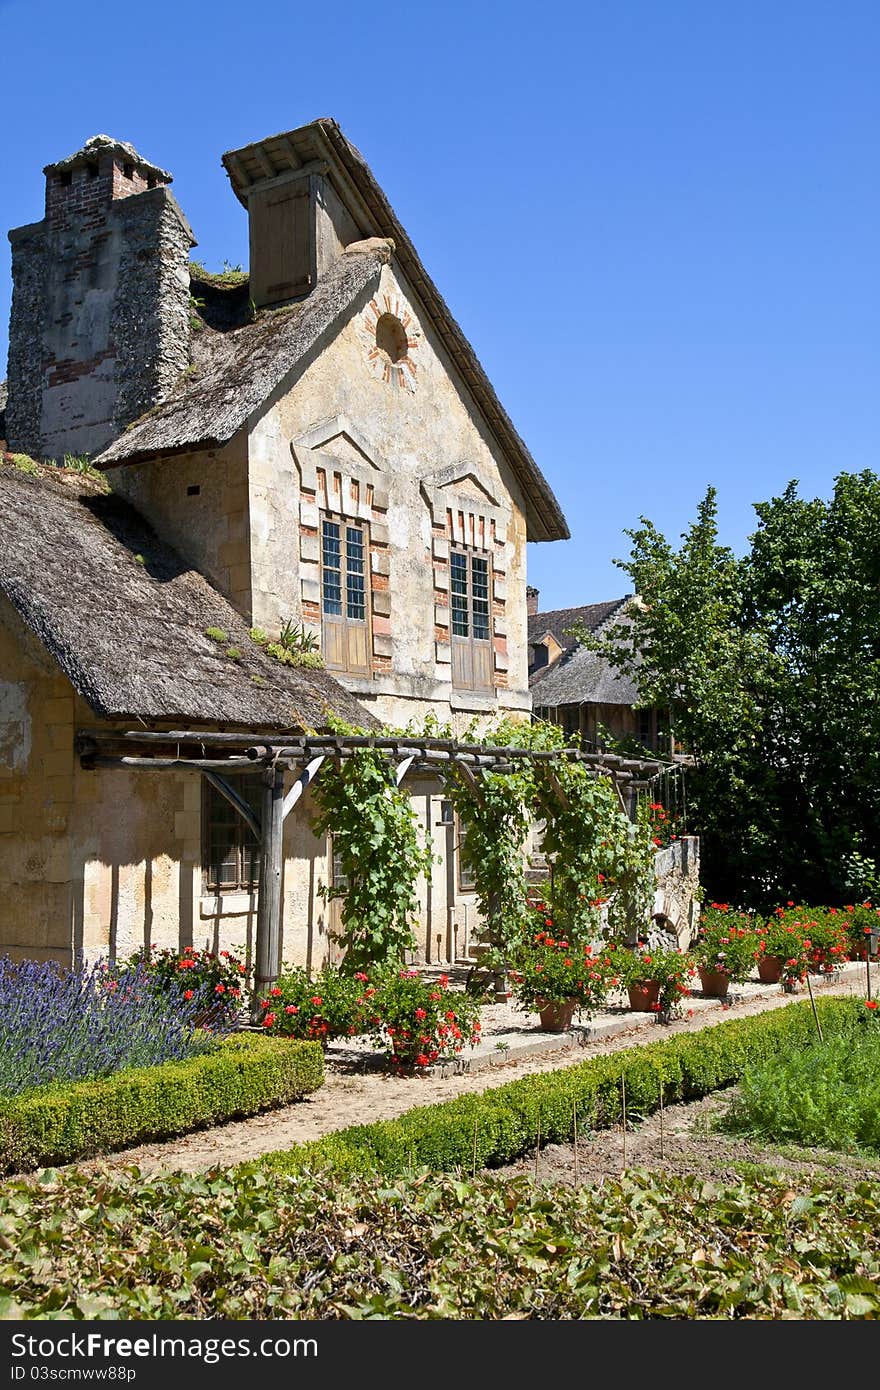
x=349 y=1098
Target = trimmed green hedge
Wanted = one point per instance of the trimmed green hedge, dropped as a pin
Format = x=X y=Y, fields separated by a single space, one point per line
x=502 y=1124
x=246 y=1073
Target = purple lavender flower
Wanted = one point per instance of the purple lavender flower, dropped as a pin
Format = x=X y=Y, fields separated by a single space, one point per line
x=61 y=1024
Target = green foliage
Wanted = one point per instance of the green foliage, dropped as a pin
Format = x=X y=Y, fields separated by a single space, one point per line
x=310 y=660
x=241 y=1076
x=259 y=636
x=771 y=667
x=217 y=634
x=219 y=979
x=239 y=1247
x=825 y=1095
x=422 y=1021
x=23 y=463
x=234 y=654
x=230 y=277
x=381 y=853
x=501 y=1124
x=296 y=637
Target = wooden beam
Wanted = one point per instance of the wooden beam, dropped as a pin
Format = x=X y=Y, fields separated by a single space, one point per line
x=228 y=790
x=163 y=764
x=267 y=949
x=308 y=775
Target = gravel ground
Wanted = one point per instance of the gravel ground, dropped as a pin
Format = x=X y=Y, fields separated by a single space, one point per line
x=355 y=1093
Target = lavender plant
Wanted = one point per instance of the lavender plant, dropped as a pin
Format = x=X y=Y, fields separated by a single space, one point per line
x=69 y=1025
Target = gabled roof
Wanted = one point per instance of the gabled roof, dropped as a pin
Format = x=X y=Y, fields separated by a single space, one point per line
x=580 y=676
x=560 y=620
x=234 y=373
x=126 y=619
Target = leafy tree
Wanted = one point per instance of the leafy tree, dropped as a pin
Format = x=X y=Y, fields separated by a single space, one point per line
x=770 y=665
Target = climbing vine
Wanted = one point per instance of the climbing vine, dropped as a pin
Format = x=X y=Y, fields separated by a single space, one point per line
x=380 y=852
x=602 y=863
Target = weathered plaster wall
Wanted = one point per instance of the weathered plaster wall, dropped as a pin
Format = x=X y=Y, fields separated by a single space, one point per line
x=403 y=448
x=198 y=503
x=677 y=871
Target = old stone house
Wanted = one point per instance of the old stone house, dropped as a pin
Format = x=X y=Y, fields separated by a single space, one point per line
x=578 y=688
x=314 y=443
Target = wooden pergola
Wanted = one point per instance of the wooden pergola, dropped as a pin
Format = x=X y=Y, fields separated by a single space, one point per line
x=219 y=757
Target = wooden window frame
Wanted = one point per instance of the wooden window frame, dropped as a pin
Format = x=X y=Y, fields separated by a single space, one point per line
x=464 y=888
x=484 y=647
x=345 y=623
x=212 y=801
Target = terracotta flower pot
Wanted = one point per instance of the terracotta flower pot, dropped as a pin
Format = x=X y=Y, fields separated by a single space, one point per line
x=770 y=969
x=714 y=983
x=644 y=995
x=557 y=1017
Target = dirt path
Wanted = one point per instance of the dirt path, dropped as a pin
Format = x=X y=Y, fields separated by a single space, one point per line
x=348 y=1098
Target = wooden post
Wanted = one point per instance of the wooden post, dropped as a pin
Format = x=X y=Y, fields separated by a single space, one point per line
x=268 y=944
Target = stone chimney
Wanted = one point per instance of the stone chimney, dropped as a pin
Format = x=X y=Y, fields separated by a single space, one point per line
x=99 y=329
x=532 y=596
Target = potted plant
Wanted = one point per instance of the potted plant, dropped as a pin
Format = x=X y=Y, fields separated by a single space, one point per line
x=776 y=943
x=655 y=980
x=826 y=940
x=215 y=984
x=557 y=980
x=724 y=950
x=861 y=922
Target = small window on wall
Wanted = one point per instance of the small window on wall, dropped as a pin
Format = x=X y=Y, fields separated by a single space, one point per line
x=466 y=880
x=338 y=877
x=470 y=603
x=230 y=851
x=345 y=625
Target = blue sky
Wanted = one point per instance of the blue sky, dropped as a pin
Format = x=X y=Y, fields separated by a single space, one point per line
x=658 y=223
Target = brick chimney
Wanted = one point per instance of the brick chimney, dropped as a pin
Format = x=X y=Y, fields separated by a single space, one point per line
x=532 y=596
x=99 y=329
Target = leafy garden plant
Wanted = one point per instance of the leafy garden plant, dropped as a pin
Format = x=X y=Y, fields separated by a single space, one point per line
x=551 y=970
x=327 y=1006
x=423 y=1021
x=725 y=943
x=215 y=983
x=381 y=852
x=638 y=966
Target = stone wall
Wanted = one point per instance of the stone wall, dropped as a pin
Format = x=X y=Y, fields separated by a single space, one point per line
x=677 y=871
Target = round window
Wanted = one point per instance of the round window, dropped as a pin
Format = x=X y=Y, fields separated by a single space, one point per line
x=391 y=338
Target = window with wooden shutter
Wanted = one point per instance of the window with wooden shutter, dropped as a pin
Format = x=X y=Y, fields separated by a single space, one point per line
x=345 y=615
x=470 y=604
x=280 y=243
x=230 y=852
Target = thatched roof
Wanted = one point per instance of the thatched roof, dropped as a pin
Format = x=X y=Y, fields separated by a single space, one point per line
x=125 y=618
x=234 y=373
x=579 y=676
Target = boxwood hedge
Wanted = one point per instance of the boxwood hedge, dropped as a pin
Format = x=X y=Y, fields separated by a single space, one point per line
x=500 y=1125
x=244 y=1074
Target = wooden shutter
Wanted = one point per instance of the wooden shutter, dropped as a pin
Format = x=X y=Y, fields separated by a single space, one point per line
x=280 y=242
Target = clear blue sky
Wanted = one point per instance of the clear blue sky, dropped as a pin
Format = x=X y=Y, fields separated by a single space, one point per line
x=658 y=221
